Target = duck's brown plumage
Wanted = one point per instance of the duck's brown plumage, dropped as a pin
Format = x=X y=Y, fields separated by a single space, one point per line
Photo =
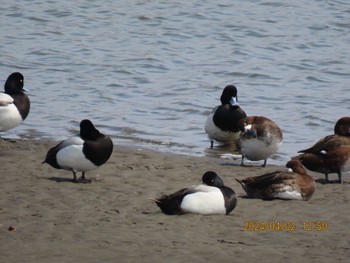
x=260 y=138
x=283 y=185
x=334 y=161
x=340 y=138
x=330 y=154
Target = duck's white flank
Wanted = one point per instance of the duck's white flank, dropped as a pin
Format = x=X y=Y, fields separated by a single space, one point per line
x=289 y=194
x=71 y=155
x=9 y=114
x=255 y=149
x=209 y=200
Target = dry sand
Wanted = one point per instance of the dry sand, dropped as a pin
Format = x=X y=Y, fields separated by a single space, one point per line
x=112 y=219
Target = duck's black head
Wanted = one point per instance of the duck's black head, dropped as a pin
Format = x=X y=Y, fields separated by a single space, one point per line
x=14 y=83
x=342 y=127
x=212 y=179
x=88 y=130
x=229 y=95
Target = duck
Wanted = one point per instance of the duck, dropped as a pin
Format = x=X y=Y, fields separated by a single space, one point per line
x=260 y=138
x=289 y=185
x=333 y=161
x=14 y=103
x=221 y=124
x=327 y=155
x=82 y=152
x=340 y=138
x=211 y=197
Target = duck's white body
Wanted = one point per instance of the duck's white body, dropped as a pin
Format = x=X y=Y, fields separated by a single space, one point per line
x=9 y=114
x=289 y=194
x=256 y=149
x=71 y=156
x=206 y=200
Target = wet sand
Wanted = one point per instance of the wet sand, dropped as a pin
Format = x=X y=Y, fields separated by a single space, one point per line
x=113 y=220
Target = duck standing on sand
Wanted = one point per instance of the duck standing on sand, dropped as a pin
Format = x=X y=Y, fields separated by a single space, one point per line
x=221 y=124
x=82 y=152
x=330 y=154
x=211 y=197
x=14 y=103
x=295 y=185
x=260 y=138
x=334 y=161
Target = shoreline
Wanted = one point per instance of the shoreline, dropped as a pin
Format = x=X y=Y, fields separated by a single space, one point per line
x=112 y=219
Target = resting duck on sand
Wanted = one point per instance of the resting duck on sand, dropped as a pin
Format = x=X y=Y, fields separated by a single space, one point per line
x=211 y=197
x=295 y=185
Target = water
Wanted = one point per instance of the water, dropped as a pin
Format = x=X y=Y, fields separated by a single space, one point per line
x=149 y=72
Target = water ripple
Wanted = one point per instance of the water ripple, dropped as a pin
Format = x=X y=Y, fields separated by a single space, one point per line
x=150 y=72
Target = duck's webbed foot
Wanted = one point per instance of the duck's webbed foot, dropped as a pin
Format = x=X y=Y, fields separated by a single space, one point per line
x=83 y=179
x=242 y=162
x=340 y=178
x=326 y=177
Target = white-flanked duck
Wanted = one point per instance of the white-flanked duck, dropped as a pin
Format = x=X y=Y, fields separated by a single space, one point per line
x=260 y=138
x=221 y=124
x=14 y=103
x=81 y=153
x=289 y=185
x=211 y=197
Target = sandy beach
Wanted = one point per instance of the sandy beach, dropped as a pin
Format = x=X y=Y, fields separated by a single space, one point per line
x=113 y=220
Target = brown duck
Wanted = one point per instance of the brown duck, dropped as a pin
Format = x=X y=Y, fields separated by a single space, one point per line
x=295 y=185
